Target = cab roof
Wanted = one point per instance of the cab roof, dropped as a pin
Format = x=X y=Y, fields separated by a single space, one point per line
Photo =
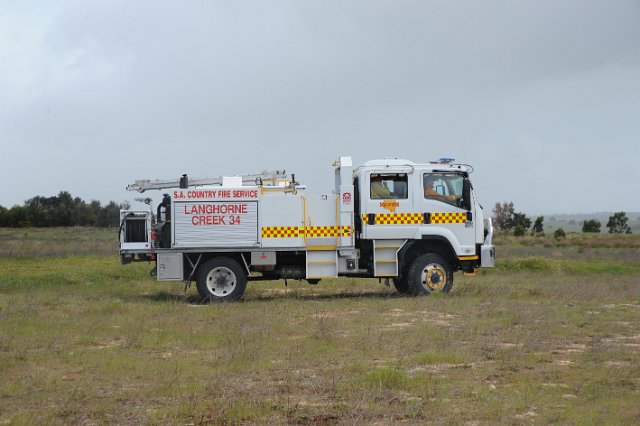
x=434 y=165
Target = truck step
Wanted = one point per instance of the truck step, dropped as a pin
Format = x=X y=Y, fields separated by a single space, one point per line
x=322 y=263
x=385 y=257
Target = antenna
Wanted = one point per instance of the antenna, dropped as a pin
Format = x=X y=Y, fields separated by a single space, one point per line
x=464 y=155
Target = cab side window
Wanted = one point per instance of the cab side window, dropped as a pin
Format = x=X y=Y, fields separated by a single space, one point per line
x=388 y=186
x=444 y=187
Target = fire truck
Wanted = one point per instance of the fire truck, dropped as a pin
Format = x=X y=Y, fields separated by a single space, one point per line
x=405 y=223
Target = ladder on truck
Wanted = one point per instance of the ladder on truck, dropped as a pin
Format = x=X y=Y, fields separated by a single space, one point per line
x=385 y=257
x=270 y=177
x=322 y=262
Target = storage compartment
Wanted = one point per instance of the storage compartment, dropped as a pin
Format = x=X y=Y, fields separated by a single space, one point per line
x=170 y=266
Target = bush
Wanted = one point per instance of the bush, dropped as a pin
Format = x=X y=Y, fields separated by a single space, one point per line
x=503 y=216
x=559 y=234
x=61 y=210
x=538 y=226
x=519 y=230
x=618 y=224
x=522 y=220
x=592 y=225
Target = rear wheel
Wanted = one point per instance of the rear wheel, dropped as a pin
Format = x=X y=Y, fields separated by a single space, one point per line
x=221 y=279
x=429 y=273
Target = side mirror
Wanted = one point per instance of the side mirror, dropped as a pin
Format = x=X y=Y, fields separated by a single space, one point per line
x=466 y=194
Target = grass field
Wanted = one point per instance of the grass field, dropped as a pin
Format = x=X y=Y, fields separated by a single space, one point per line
x=552 y=335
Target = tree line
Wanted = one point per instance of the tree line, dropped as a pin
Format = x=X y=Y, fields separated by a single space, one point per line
x=61 y=210
x=505 y=218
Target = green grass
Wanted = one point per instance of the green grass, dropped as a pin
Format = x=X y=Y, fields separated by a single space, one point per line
x=547 y=337
x=47 y=242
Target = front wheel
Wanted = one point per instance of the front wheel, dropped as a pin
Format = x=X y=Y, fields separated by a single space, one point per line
x=401 y=285
x=430 y=273
x=221 y=279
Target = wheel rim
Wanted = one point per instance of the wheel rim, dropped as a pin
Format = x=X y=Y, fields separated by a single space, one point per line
x=434 y=277
x=221 y=281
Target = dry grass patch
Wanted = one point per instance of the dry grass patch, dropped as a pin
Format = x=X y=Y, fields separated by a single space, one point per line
x=87 y=341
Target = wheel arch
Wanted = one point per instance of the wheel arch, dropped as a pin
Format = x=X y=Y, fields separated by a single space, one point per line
x=428 y=244
x=237 y=256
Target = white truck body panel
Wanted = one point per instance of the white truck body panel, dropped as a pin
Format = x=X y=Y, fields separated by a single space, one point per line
x=209 y=223
x=215 y=217
x=281 y=217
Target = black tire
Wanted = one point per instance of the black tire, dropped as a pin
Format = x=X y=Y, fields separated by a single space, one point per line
x=429 y=273
x=221 y=279
x=313 y=281
x=401 y=284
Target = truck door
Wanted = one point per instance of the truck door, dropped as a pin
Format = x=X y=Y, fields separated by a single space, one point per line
x=387 y=205
x=449 y=209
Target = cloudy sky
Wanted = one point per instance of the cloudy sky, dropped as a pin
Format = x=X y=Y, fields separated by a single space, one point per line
x=541 y=97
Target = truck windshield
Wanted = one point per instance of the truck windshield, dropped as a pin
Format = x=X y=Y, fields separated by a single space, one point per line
x=388 y=186
x=444 y=187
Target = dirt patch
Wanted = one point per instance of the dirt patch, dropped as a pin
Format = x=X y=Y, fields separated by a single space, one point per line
x=622 y=340
x=571 y=348
x=624 y=305
x=617 y=363
x=438 y=368
x=430 y=317
x=112 y=344
x=397 y=325
x=555 y=385
x=274 y=291
x=334 y=314
x=506 y=345
x=528 y=414
x=438 y=318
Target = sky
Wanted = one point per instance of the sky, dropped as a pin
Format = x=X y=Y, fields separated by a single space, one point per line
x=541 y=97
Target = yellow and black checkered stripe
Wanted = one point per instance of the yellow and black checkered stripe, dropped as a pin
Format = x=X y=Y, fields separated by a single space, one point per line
x=327 y=231
x=280 y=232
x=415 y=218
x=448 y=217
x=308 y=231
x=399 y=219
